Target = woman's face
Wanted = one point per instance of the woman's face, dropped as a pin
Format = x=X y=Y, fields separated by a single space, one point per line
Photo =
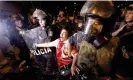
x=64 y=34
x=129 y=16
x=42 y=22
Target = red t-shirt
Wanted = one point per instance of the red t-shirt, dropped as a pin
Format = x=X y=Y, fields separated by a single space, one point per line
x=61 y=54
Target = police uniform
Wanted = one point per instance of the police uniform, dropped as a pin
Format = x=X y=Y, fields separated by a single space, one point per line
x=87 y=41
x=78 y=37
x=44 y=59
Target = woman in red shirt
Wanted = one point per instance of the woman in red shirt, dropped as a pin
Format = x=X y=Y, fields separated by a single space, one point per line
x=64 y=59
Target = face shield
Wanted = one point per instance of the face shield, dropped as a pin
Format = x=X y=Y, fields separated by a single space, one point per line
x=93 y=26
x=94 y=12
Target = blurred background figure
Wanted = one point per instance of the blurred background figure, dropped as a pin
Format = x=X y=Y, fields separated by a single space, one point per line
x=60 y=16
x=5 y=66
x=33 y=22
x=124 y=57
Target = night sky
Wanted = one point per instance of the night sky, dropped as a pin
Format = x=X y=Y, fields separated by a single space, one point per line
x=55 y=6
x=50 y=6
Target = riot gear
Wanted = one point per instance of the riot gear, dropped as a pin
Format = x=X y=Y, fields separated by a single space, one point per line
x=103 y=9
x=93 y=26
x=91 y=39
x=95 y=10
x=39 y=14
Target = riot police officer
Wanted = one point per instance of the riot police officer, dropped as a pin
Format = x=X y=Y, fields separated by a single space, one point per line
x=91 y=39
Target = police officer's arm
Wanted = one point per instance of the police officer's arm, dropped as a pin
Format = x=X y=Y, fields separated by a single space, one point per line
x=69 y=49
x=50 y=44
x=71 y=42
x=74 y=60
x=73 y=67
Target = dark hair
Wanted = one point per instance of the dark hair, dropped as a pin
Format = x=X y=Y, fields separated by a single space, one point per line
x=68 y=30
x=19 y=19
x=129 y=8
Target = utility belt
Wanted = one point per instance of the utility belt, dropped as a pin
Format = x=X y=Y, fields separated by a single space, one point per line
x=68 y=66
x=80 y=71
x=65 y=70
x=83 y=74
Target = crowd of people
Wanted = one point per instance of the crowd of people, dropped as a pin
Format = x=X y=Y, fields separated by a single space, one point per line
x=85 y=47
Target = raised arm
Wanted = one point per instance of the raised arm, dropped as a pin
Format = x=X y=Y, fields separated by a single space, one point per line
x=115 y=33
x=50 y=44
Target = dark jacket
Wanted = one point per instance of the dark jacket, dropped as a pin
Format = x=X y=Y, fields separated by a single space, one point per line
x=17 y=40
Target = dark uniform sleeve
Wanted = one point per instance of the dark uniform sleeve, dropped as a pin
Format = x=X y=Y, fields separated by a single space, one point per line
x=77 y=38
x=73 y=39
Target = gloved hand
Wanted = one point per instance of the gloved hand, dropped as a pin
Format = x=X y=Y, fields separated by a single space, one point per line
x=34 y=46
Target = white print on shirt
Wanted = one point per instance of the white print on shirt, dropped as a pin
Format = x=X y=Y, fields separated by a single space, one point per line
x=65 y=50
